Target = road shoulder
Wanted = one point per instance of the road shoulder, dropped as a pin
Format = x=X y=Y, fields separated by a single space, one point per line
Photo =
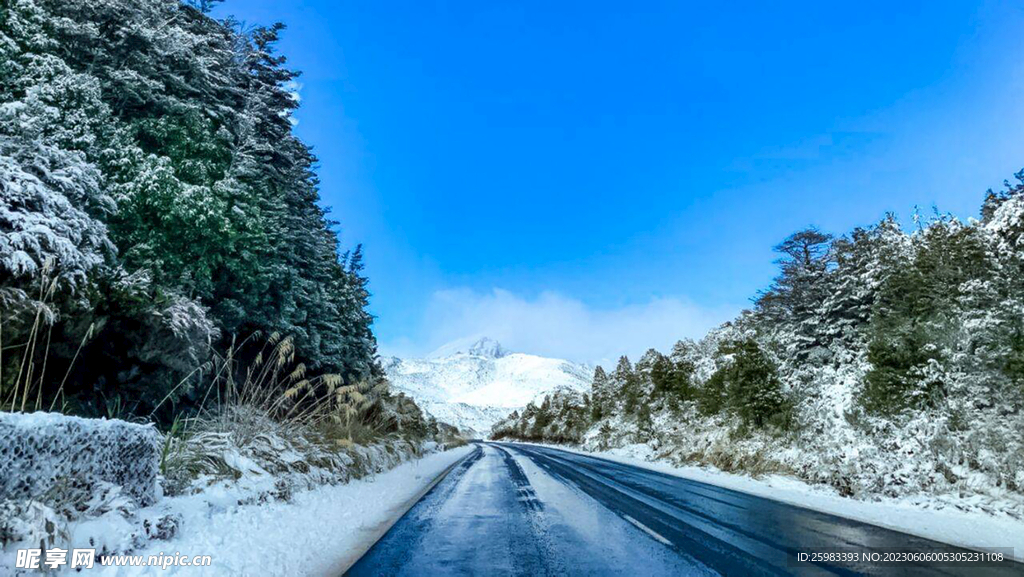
x=376 y=527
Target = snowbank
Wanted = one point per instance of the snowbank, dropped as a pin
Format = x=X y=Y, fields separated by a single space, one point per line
x=75 y=483
x=39 y=452
x=919 y=516
x=313 y=534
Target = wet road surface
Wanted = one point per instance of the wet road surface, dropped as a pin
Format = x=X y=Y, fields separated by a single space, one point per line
x=511 y=509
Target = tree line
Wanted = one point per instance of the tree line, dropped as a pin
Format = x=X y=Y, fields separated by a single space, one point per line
x=887 y=331
x=158 y=208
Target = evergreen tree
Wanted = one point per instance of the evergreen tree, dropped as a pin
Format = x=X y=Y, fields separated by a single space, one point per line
x=626 y=384
x=863 y=262
x=751 y=382
x=148 y=165
x=601 y=394
x=672 y=377
x=798 y=292
x=913 y=336
x=54 y=202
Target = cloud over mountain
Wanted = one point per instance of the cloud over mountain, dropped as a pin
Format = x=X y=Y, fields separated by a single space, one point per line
x=560 y=326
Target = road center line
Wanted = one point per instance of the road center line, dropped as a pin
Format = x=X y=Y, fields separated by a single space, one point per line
x=647 y=530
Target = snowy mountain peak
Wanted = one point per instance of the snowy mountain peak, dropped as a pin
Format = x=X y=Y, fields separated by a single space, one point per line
x=481 y=346
x=473 y=386
x=487 y=348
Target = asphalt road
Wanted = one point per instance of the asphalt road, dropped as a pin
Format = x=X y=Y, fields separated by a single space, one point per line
x=511 y=509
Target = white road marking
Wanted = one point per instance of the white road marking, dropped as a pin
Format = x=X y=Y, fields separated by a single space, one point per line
x=648 y=530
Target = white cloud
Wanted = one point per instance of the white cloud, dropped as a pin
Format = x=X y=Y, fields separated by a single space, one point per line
x=559 y=326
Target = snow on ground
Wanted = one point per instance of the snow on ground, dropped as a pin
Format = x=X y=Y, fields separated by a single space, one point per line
x=311 y=535
x=971 y=529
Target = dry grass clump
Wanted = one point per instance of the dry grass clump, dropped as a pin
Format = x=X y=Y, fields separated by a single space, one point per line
x=25 y=393
x=277 y=422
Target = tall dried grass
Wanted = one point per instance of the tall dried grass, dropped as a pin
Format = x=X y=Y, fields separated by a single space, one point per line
x=255 y=401
x=262 y=404
x=25 y=392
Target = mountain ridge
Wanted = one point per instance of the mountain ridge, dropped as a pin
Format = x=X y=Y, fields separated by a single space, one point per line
x=473 y=385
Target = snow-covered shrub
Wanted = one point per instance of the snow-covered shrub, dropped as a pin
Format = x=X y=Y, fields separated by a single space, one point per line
x=148 y=348
x=28 y=521
x=273 y=459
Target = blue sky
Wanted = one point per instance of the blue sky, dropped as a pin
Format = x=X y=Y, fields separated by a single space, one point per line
x=587 y=178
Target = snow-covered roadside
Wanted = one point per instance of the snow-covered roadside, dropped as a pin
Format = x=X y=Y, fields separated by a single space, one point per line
x=969 y=529
x=310 y=535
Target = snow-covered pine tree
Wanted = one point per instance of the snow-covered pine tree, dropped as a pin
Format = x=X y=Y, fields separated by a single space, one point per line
x=149 y=127
x=600 y=394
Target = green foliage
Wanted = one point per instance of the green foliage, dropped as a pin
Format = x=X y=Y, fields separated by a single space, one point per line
x=712 y=398
x=562 y=417
x=644 y=424
x=627 y=385
x=898 y=356
x=172 y=435
x=1014 y=366
x=600 y=395
x=544 y=416
x=176 y=208
x=672 y=379
x=605 y=433
x=912 y=321
x=751 y=385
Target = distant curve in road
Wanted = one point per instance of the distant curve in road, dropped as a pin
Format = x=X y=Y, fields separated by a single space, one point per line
x=511 y=509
